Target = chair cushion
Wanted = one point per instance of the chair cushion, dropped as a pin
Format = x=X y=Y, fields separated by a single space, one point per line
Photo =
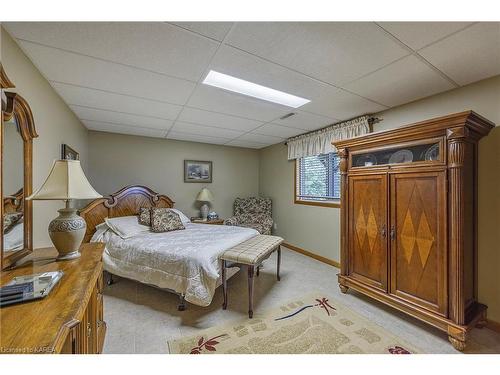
x=253 y=251
x=253 y=205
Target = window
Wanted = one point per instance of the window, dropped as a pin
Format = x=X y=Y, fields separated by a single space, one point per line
x=318 y=180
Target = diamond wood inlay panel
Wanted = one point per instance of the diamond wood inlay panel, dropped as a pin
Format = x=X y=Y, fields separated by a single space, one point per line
x=408 y=236
x=422 y=236
x=368 y=245
x=424 y=239
x=416 y=200
x=361 y=227
x=371 y=229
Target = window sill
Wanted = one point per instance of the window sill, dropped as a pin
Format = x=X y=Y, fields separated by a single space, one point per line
x=333 y=203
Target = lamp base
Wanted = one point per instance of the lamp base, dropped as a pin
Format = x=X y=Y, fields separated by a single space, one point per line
x=67 y=232
x=69 y=256
x=204 y=212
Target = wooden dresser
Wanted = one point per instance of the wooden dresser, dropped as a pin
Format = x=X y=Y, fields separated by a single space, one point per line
x=409 y=220
x=70 y=319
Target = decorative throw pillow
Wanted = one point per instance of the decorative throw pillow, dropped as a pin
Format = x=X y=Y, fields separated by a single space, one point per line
x=126 y=226
x=9 y=220
x=165 y=220
x=145 y=216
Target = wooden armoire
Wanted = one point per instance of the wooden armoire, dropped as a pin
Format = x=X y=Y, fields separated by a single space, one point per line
x=409 y=220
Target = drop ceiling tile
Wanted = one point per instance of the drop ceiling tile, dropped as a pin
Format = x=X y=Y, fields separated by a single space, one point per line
x=469 y=55
x=259 y=138
x=155 y=46
x=99 y=115
x=247 y=144
x=404 y=81
x=420 y=34
x=214 y=30
x=218 y=100
x=76 y=95
x=340 y=104
x=121 y=129
x=66 y=67
x=204 y=130
x=276 y=130
x=335 y=52
x=305 y=121
x=201 y=117
x=239 y=64
x=180 y=136
x=229 y=60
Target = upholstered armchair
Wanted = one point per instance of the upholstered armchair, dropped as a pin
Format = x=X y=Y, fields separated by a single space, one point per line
x=253 y=213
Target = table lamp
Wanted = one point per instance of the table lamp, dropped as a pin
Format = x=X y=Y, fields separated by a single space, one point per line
x=204 y=196
x=66 y=181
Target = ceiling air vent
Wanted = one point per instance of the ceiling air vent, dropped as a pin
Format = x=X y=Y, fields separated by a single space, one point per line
x=287 y=115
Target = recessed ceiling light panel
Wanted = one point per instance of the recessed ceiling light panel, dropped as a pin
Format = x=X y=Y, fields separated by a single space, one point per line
x=241 y=86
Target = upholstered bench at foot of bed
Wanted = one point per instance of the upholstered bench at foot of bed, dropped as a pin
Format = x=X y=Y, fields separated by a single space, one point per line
x=250 y=253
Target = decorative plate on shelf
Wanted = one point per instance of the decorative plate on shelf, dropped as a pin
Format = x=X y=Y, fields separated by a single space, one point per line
x=432 y=153
x=366 y=160
x=401 y=156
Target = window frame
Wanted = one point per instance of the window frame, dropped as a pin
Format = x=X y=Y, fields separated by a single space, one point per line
x=335 y=203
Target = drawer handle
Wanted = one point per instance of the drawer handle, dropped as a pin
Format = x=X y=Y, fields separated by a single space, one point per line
x=383 y=232
x=89 y=329
x=393 y=233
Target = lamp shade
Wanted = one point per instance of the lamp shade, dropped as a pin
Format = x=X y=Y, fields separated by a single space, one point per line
x=205 y=196
x=66 y=180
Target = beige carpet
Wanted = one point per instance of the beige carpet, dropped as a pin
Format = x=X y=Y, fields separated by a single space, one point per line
x=312 y=324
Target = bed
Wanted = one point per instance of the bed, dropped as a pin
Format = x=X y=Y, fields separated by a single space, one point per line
x=185 y=262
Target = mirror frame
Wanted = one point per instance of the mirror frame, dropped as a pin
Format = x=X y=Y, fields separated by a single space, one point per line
x=16 y=106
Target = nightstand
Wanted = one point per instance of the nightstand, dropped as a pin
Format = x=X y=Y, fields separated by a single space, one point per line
x=197 y=220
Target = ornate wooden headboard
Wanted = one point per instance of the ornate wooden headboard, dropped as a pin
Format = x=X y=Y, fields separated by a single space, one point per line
x=125 y=202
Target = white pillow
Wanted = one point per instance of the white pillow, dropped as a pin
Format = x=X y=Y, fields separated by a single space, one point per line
x=126 y=226
x=184 y=218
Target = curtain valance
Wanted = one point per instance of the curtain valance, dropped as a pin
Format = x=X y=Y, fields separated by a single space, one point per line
x=320 y=142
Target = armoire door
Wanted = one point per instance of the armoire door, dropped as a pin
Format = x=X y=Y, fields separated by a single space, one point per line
x=368 y=229
x=418 y=239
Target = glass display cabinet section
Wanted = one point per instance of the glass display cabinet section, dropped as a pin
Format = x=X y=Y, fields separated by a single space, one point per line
x=401 y=154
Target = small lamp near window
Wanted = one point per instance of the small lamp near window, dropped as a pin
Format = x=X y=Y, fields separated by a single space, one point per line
x=206 y=197
x=66 y=181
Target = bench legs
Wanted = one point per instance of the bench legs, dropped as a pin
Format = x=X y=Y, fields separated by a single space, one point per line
x=251 y=270
x=250 y=291
x=278 y=264
x=224 y=285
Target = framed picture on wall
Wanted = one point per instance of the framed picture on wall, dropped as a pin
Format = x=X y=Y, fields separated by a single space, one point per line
x=197 y=171
x=67 y=153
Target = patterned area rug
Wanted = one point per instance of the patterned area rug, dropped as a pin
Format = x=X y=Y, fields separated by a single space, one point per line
x=314 y=324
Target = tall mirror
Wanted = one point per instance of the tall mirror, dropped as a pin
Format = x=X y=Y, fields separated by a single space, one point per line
x=17 y=135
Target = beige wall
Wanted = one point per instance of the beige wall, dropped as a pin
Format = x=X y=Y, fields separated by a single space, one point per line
x=312 y=228
x=120 y=160
x=55 y=124
x=316 y=229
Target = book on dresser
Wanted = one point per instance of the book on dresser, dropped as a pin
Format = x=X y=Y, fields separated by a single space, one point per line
x=29 y=287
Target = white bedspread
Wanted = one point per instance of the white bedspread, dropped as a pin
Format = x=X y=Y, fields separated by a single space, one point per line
x=184 y=260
